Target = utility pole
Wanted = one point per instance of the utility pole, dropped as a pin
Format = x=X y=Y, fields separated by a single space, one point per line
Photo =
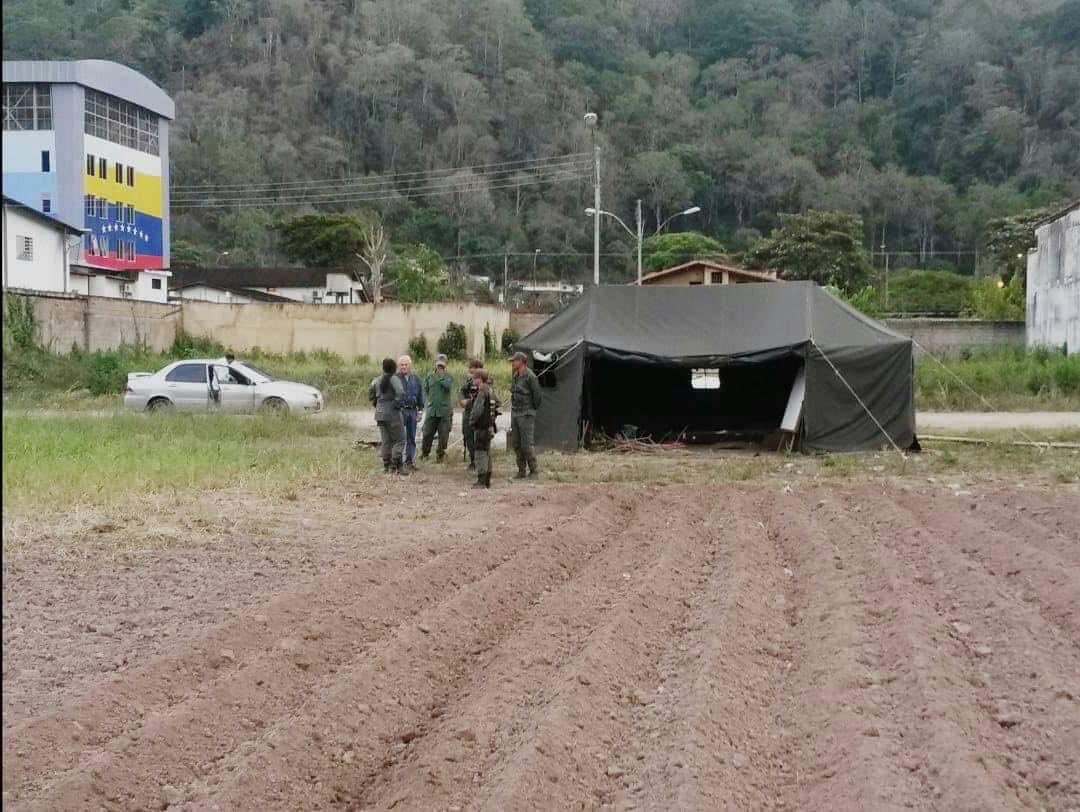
x=506 y=269
x=640 y=237
x=884 y=254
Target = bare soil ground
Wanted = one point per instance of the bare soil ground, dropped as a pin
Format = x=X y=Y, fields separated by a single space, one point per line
x=855 y=645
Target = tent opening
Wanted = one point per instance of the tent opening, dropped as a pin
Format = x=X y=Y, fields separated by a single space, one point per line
x=741 y=402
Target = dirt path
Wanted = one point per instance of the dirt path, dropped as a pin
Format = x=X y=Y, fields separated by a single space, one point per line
x=875 y=645
x=996 y=421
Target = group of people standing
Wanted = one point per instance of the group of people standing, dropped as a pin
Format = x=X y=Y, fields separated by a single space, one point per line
x=400 y=397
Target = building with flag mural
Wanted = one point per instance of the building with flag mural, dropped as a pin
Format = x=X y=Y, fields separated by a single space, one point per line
x=88 y=142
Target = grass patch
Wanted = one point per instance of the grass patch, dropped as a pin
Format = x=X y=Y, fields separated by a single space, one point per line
x=75 y=460
x=34 y=378
x=1009 y=378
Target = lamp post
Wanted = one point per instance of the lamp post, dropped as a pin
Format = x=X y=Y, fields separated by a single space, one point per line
x=590 y=123
x=536 y=256
x=219 y=256
x=691 y=210
x=640 y=234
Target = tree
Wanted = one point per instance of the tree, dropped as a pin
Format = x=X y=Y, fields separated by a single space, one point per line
x=667 y=250
x=659 y=176
x=1007 y=241
x=822 y=246
x=994 y=299
x=418 y=274
x=339 y=240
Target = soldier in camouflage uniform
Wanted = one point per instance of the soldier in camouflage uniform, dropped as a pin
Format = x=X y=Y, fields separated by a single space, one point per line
x=525 y=398
x=468 y=392
x=482 y=417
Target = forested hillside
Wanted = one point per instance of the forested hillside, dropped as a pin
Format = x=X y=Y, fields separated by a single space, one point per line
x=927 y=118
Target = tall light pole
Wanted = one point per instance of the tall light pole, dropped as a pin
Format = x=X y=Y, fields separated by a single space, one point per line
x=640 y=235
x=536 y=256
x=590 y=122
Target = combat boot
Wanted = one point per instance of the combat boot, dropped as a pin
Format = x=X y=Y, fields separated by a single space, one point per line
x=479 y=481
x=487 y=479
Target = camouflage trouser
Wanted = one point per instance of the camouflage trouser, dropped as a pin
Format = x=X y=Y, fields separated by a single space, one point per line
x=392 y=436
x=468 y=435
x=523 y=428
x=482 y=444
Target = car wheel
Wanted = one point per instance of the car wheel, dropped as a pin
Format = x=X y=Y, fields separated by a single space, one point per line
x=159 y=405
x=275 y=406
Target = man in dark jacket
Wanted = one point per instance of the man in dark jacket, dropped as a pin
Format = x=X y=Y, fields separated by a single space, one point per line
x=525 y=398
x=412 y=404
x=468 y=392
x=440 y=411
x=385 y=394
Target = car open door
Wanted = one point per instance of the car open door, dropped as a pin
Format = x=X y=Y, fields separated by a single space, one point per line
x=235 y=392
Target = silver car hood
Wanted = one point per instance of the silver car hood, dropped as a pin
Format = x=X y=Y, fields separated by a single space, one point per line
x=287 y=388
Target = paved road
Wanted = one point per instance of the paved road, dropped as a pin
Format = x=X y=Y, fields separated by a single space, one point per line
x=996 y=421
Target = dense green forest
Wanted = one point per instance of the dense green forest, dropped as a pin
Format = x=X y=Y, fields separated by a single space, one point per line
x=926 y=118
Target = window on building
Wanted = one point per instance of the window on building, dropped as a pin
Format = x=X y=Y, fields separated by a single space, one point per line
x=118 y=172
x=121 y=122
x=45 y=161
x=103 y=168
x=91 y=206
x=155 y=284
x=717 y=277
x=46 y=204
x=25 y=247
x=90 y=164
x=27 y=107
x=102 y=208
x=131 y=214
x=131 y=176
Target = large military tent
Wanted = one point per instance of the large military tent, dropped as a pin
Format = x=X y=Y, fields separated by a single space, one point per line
x=726 y=360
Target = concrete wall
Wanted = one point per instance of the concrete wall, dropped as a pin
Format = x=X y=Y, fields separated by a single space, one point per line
x=96 y=323
x=952 y=336
x=350 y=331
x=524 y=322
x=1053 y=285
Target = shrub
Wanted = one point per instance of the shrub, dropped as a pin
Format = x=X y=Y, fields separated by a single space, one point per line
x=994 y=300
x=453 y=342
x=418 y=348
x=928 y=292
x=19 y=326
x=510 y=337
x=188 y=346
x=489 y=341
x=105 y=375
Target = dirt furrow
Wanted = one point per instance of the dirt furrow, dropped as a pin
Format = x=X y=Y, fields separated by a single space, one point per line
x=367 y=717
x=528 y=671
x=245 y=672
x=577 y=750
x=1011 y=692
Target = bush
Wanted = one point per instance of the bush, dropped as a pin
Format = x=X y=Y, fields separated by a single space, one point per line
x=453 y=342
x=19 y=324
x=188 y=346
x=510 y=337
x=992 y=299
x=928 y=292
x=489 y=341
x=1006 y=377
x=105 y=375
x=418 y=348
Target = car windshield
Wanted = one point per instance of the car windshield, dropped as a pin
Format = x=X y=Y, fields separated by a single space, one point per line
x=266 y=376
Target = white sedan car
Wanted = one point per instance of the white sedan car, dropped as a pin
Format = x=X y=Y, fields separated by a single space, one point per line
x=205 y=385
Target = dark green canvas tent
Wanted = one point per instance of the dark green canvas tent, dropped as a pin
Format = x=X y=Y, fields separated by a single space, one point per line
x=745 y=359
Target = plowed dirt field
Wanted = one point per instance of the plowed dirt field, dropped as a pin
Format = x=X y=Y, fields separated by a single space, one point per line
x=857 y=645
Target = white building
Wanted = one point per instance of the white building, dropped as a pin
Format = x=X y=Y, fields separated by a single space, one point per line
x=38 y=247
x=245 y=285
x=1053 y=283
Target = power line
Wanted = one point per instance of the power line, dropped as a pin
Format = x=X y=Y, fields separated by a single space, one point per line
x=472 y=186
x=387 y=188
x=502 y=166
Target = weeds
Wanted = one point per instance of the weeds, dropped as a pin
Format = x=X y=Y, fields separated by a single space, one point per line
x=1011 y=378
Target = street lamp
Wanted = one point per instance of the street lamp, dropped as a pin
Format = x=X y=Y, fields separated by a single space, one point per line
x=536 y=255
x=691 y=210
x=219 y=256
x=640 y=235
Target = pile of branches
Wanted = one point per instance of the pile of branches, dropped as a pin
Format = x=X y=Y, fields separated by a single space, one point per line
x=622 y=445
